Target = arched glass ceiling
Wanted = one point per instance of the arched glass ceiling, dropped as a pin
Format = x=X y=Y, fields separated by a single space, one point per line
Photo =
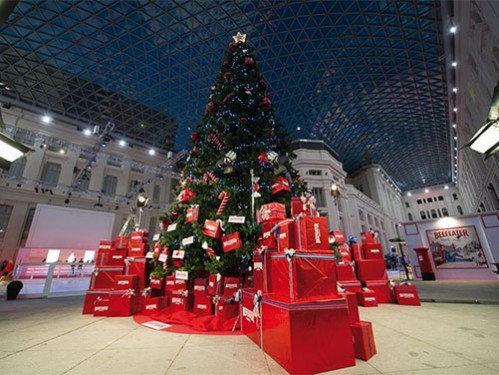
x=367 y=77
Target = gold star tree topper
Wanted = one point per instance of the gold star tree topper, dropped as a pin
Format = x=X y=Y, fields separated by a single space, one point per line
x=239 y=38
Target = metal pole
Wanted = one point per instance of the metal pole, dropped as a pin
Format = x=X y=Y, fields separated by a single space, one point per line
x=402 y=255
x=252 y=196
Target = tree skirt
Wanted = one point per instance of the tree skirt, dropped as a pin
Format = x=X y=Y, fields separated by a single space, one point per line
x=188 y=323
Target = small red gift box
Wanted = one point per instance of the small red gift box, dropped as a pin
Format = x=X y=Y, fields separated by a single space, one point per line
x=356 y=252
x=170 y=283
x=181 y=303
x=203 y=305
x=346 y=272
x=106 y=244
x=367 y=298
x=286 y=235
x=407 y=295
x=178 y=258
x=138 y=266
x=231 y=285
x=103 y=277
x=215 y=285
x=90 y=299
x=269 y=235
x=156 y=282
x=192 y=214
x=371 y=269
x=123 y=303
x=200 y=286
x=154 y=305
x=344 y=250
x=226 y=308
x=303 y=206
x=114 y=258
x=363 y=340
x=138 y=236
x=101 y=307
x=351 y=285
x=372 y=251
x=186 y=195
x=368 y=237
x=279 y=185
x=353 y=306
x=311 y=233
x=250 y=316
x=231 y=242
x=338 y=236
x=126 y=282
x=137 y=250
x=121 y=242
x=211 y=228
x=271 y=211
x=384 y=294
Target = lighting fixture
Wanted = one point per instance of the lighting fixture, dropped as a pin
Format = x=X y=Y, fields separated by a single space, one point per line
x=446 y=187
x=47 y=119
x=486 y=139
x=142 y=199
x=454 y=126
x=453 y=29
x=455 y=109
x=454 y=64
x=335 y=190
x=152 y=151
x=98 y=204
x=122 y=143
x=426 y=190
x=61 y=151
x=454 y=89
x=409 y=194
x=10 y=150
x=87 y=132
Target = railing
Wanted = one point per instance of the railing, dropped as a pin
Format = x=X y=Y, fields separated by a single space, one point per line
x=53 y=279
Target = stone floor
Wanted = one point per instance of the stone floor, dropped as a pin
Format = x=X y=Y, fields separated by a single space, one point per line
x=51 y=336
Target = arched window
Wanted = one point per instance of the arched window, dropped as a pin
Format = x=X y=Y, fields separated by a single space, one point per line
x=423 y=215
x=434 y=213
x=459 y=210
x=409 y=215
x=445 y=212
x=109 y=185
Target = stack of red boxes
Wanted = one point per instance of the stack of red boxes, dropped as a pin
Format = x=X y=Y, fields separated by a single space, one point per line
x=136 y=262
x=372 y=272
x=347 y=279
x=299 y=287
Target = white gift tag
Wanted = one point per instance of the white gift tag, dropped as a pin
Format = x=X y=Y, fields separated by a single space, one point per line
x=188 y=240
x=171 y=227
x=162 y=257
x=149 y=255
x=155 y=237
x=237 y=219
x=181 y=275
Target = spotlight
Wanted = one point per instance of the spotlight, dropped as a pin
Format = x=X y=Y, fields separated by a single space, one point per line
x=47 y=119
x=453 y=29
x=87 y=132
x=122 y=143
x=152 y=152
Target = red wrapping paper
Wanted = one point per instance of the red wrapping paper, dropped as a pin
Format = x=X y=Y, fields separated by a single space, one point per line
x=250 y=317
x=192 y=214
x=303 y=206
x=231 y=242
x=138 y=266
x=353 y=306
x=279 y=185
x=137 y=250
x=101 y=307
x=307 y=338
x=346 y=272
x=226 y=308
x=286 y=235
x=311 y=233
x=186 y=195
x=200 y=286
x=351 y=285
x=231 y=285
x=384 y=294
x=258 y=276
x=123 y=303
x=181 y=303
x=215 y=285
x=356 y=251
x=367 y=298
x=372 y=251
x=407 y=295
x=203 y=305
x=363 y=338
x=269 y=235
x=90 y=299
x=371 y=269
x=154 y=305
x=303 y=277
x=367 y=237
x=126 y=282
x=338 y=236
x=157 y=282
x=271 y=211
x=103 y=277
x=211 y=228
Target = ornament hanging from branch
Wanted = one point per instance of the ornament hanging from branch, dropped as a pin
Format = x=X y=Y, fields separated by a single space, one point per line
x=224 y=197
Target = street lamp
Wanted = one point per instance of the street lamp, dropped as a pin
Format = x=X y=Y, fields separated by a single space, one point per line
x=141 y=201
x=335 y=192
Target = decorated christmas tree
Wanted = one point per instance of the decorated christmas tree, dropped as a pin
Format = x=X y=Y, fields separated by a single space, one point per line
x=240 y=159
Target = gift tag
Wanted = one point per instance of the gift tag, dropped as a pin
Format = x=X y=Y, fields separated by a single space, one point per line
x=181 y=275
x=188 y=240
x=171 y=227
x=156 y=237
x=149 y=255
x=237 y=219
x=162 y=257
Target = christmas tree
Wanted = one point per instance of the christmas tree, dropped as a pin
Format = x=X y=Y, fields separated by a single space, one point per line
x=240 y=159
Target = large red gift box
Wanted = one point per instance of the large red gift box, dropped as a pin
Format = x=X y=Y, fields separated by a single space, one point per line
x=181 y=303
x=139 y=236
x=114 y=258
x=180 y=287
x=286 y=235
x=123 y=303
x=211 y=228
x=351 y=285
x=203 y=304
x=101 y=307
x=303 y=276
x=200 y=286
x=346 y=256
x=269 y=235
x=367 y=237
x=154 y=305
x=338 y=236
x=215 y=285
x=103 y=277
x=384 y=294
x=258 y=273
x=271 y=211
x=367 y=298
x=303 y=206
x=90 y=299
x=311 y=233
x=231 y=242
x=226 y=308
x=250 y=316
x=372 y=251
x=106 y=244
x=363 y=340
x=407 y=295
x=137 y=250
x=346 y=272
x=371 y=269
x=356 y=251
x=138 y=266
x=307 y=338
x=353 y=306
x=125 y=282
x=121 y=242
x=231 y=285
x=157 y=282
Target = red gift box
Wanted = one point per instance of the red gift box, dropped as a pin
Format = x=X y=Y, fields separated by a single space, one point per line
x=123 y=303
x=346 y=272
x=200 y=286
x=307 y=338
x=258 y=277
x=114 y=258
x=338 y=236
x=279 y=185
x=121 y=242
x=286 y=235
x=181 y=303
x=231 y=242
x=125 y=282
x=271 y=211
x=101 y=307
x=372 y=251
x=192 y=214
x=303 y=206
x=138 y=266
x=371 y=269
x=269 y=235
x=178 y=258
x=363 y=340
x=154 y=305
x=356 y=252
x=103 y=277
x=344 y=250
x=137 y=250
x=384 y=294
x=211 y=228
x=407 y=295
x=351 y=285
x=180 y=287
x=203 y=305
x=106 y=244
x=303 y=276
x=250 y=316
x=141 y=235
x=156 y=282
x=186 y=196
x=368 y=237
x=353 y=306
x=311 y=233
x=367 y=298
x=215 y=285
x=231 y=285
x=169 y=283
x=226 y=308
x=90 y=299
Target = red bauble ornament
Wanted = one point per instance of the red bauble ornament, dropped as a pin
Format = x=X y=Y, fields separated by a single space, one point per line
x=211 y=106
x=233 y=47
x=262 y=158
x=265 y=102
x=262 y=84
x=227 y=76
x=243 y=121
x=249 y=62
x=194 y=136
x=228 y=97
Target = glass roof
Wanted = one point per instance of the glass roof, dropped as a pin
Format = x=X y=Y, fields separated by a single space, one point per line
x=366 y=77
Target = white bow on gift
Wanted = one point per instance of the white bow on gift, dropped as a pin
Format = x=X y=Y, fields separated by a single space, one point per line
x=289 y=253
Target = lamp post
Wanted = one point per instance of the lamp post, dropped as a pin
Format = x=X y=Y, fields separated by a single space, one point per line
x=335 y=192
x=141 y=201
x=402 y=255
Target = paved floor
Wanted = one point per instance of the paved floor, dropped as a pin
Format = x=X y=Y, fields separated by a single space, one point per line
x=50 y=336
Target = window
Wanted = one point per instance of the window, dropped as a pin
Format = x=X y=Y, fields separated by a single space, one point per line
x=439 y=212
x=361 y=215
x=5 y=212
x=16 y=169
x=85 y=181
x=454 y=196
x=27 y=224
x=318 y=193
x=109 y=185
x=459 y=210
x=419 y=201
x=407 y=204
x=369 y=219
x=409 y=215
x=155 y=194
x=445 y=212
x=314 y=172
x=440 y=198
x=133 y=185
x=434 y=213
x=50 y=174
x=430 y=200
x=423 y=215
x=153 y=222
